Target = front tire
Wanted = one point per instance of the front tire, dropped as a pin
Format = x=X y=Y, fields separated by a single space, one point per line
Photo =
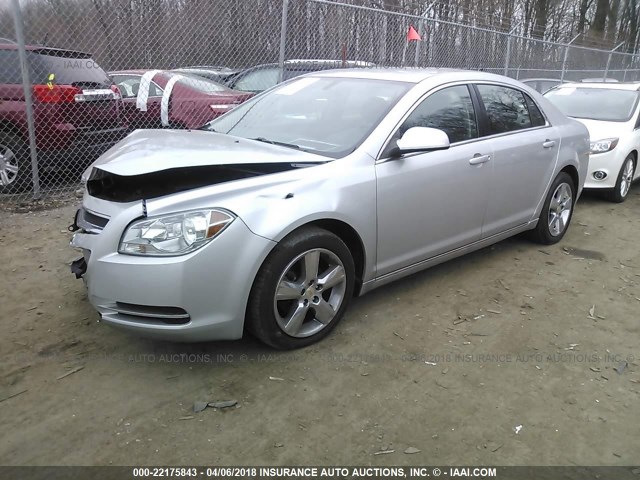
x=557 y=211
x=623 y=184
x=302 y=290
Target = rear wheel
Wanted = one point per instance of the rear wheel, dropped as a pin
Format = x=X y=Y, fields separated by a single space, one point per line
x=15 y=168
x=623 y=184
x=302 y=290
x=557 y=211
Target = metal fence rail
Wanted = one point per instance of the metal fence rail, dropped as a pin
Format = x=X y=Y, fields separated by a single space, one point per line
x=78 y=75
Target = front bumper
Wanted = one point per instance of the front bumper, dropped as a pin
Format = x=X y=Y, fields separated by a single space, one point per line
x=609 y=163
x=196 y=297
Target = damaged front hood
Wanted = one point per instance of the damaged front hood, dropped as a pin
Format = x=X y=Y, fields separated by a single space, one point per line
x=153 y=163
x=146 y=151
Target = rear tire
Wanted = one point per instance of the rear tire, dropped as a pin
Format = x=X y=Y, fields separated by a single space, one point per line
x=15 y=166
x=556 y=212
x=302 y=289
x=623 y=183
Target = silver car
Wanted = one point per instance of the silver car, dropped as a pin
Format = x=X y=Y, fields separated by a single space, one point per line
x=270 y=218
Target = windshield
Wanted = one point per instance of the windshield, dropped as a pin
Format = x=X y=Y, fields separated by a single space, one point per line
x=327 y=116
x=604 y=104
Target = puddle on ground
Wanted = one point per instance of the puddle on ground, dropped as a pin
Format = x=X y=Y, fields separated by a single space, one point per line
x=581 y=253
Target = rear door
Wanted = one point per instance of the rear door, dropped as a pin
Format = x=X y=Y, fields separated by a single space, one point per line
x=525 y=150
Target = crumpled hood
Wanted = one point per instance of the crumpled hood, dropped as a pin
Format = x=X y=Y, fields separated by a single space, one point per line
x=147 y=151
x=599 y=130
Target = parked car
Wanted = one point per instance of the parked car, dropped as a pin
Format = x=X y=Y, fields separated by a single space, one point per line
x=541 y=84
x=612 y=114
x=76 y=113
x=325 y=187
x=194 y=100
x=216 y=74
x=262 y=77
x=599 y=80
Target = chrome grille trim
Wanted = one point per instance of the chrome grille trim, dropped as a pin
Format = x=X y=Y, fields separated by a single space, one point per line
x=144 y=313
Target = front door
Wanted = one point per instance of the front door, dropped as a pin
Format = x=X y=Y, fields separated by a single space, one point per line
x=430 y=203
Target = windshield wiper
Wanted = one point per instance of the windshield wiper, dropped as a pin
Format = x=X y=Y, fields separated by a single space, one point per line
x=275 y=142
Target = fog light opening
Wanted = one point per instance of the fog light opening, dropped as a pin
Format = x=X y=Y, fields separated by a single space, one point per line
x=599 y=175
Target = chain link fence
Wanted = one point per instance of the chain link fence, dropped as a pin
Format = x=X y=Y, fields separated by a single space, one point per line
x=76 y=76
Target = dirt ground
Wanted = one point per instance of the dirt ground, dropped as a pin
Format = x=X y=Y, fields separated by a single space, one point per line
x=451 y=362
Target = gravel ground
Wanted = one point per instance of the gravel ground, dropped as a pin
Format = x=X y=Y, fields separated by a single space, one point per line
x=514 y=355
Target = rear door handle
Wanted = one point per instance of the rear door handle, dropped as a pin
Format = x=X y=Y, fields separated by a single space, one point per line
x=549 y=144
x=478 y=159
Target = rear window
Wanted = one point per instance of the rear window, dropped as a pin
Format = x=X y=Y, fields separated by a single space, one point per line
x=10 y=67
x=202 y=84
x=68 y=70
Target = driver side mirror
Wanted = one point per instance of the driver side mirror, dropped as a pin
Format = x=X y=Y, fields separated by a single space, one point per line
x=422 y=139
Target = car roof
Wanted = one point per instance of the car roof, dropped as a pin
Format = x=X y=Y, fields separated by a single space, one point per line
x=223 y=71
x=414 y=75
x=525 y=80
x=45 y=50
x=130 y=72
x=607 y=85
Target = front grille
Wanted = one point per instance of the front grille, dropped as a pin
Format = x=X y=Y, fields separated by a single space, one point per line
x=91 y=222
x=145 y=314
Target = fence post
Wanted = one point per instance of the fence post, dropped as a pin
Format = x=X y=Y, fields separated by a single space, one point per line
x=566 y=56
x=421 y=33
x=416 y=60
x=606 y=70
x=283 y=37
x=508 y=53
x=26 y=86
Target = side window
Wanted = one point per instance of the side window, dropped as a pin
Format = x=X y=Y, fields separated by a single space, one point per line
x=258 y=80
x=130 y=85
x=10 y=72
x=450 y=110
x=537 y=119
x=506 y=108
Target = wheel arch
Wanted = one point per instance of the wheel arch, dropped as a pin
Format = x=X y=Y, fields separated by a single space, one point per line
x=348 y=235
x=10 y=127
x=572 y=171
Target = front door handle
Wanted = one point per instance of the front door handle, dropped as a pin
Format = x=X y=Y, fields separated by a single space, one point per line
x=478 y=159
x=549 y=144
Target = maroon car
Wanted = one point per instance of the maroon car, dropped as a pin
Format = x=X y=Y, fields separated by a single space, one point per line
x=76 y=113
x=193 y=101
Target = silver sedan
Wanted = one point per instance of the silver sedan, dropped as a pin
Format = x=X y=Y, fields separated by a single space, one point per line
x=273 y=216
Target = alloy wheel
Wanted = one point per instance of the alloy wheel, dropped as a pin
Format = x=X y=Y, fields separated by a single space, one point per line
x=8 y=166
x=560 y=209
x=309 y=292
x=627 y=178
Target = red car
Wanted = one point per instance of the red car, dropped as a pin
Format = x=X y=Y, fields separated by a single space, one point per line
x=76 y=113
x=193 y=101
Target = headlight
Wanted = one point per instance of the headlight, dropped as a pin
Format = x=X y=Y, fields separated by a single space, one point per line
x=86 y=174
x=173 y=235
x=601 y=146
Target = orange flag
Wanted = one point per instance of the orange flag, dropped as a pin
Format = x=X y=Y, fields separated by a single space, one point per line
x=412 y=34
